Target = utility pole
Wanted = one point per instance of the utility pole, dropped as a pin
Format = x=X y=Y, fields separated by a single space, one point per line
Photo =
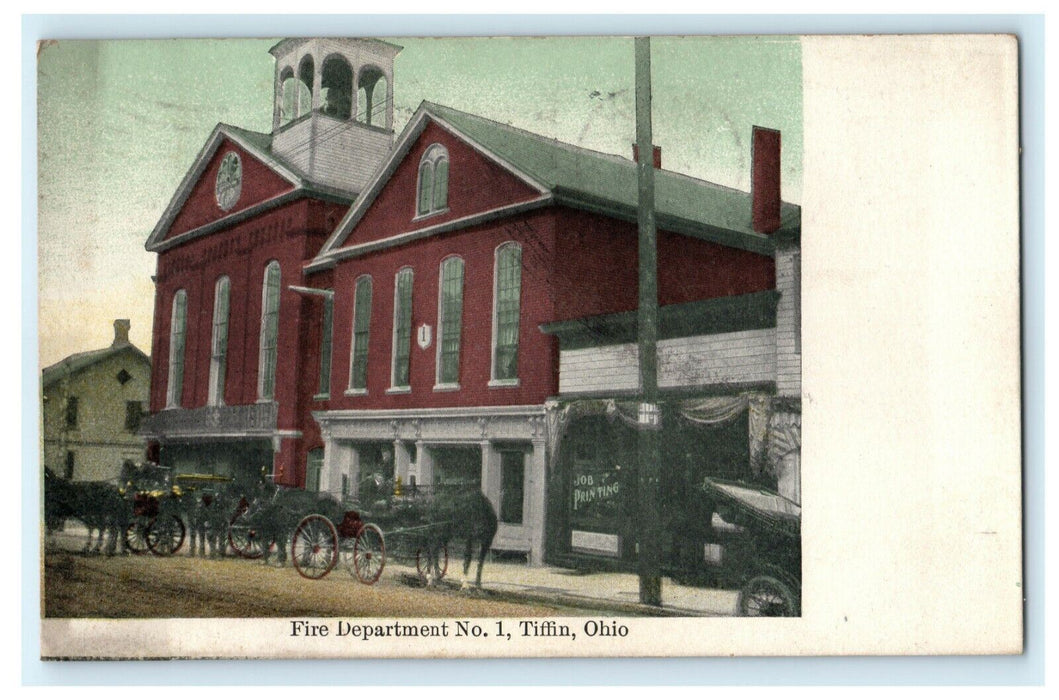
x=647 y=336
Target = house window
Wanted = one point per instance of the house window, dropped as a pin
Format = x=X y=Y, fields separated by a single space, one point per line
x=512 y=478
x=177 y=329
x=71 y=412
x=324 y=388
x=402 y=327
x=68 y=470
x=313 y=466
x=133 y=414
x=358 y=373
x=433 y=191
x=506 y=295
x=123 y=377
x=266 y=382
x=450 y=317
x=219 y=344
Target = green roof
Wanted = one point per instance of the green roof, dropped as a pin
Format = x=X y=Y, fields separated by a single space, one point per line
x=608 y=183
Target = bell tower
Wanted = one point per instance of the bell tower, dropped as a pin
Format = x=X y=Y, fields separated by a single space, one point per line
x=332 y=115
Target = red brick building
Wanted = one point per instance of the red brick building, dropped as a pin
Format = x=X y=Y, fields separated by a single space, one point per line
x=451 y=321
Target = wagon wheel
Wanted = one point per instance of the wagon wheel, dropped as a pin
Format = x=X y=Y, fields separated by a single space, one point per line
x=314 y=548
x=765 y=596
x=165 y=535
x=369 y=554
x=246 y=540
x=135 y=535
x=440 y=567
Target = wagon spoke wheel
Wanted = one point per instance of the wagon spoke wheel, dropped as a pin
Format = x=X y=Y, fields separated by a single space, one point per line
x=369 y=554
x=440 y=566
x=765 y=596
x=135 y=535
x=246 y=540
x=314 y=548
x=165 y=535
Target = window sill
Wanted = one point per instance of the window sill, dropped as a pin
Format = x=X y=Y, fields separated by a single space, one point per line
x=503 y=383
x=430 y=214
x=399 y=390
x=356 y=392
x=321 y=397
x=446 y=387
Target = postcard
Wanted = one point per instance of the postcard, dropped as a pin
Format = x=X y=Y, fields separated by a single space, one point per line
x=520 y=347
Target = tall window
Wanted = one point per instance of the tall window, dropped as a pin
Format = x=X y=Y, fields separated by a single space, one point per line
x=177 y=330
x=133 y=415
x=506 y=295
x=402 y=327
x=433 y=181
x=71 y=412
x=450 y=319
x=219 y=344
x=325 y=347
x=358 y=371
x=266 y=381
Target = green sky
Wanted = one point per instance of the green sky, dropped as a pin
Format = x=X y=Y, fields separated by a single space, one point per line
x=120 y=122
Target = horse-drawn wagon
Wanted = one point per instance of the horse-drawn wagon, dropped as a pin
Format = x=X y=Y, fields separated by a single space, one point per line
x=413 y=527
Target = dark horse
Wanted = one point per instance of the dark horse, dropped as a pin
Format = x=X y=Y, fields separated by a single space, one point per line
x=273 y=513
x=461 y=515
x=98 y=504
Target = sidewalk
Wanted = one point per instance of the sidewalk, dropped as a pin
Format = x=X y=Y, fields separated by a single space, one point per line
x=615 y=593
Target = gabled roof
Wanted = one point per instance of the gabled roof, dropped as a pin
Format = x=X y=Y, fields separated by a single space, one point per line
x=585 y=179
x=82 y=360
x=258 y=145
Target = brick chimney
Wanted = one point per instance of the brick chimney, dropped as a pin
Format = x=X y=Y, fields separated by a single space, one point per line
x=657 y=155
x=121 y=332
x=765 y=180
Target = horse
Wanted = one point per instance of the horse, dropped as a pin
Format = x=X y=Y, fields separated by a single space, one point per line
x=208 y=514
x=100 y=505
x=274 y=513
x=465 y=515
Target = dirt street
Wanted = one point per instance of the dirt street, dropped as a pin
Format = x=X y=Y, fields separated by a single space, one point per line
x=78 y=585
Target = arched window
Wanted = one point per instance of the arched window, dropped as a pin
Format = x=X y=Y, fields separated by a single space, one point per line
x=358 y=366
x=507 y=289
x=177 y=330
x=371 y=96
x=337 y=87
x=266 y=380
x=450 y=322
x=288 y=105
x=402 y=328
x=305 y=86
x=219 y=344
x=433 y=190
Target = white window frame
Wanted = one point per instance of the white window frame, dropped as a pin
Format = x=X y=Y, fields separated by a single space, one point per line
x=175 y=383
x=440 y=385
x=494 y=381
x=268 y=356
x=405 y=388
x=351 y=390
x=434 y=155
x=219 y=358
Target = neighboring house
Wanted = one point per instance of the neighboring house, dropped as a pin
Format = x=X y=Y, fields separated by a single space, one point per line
x=92 y=405
x=465 y=318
